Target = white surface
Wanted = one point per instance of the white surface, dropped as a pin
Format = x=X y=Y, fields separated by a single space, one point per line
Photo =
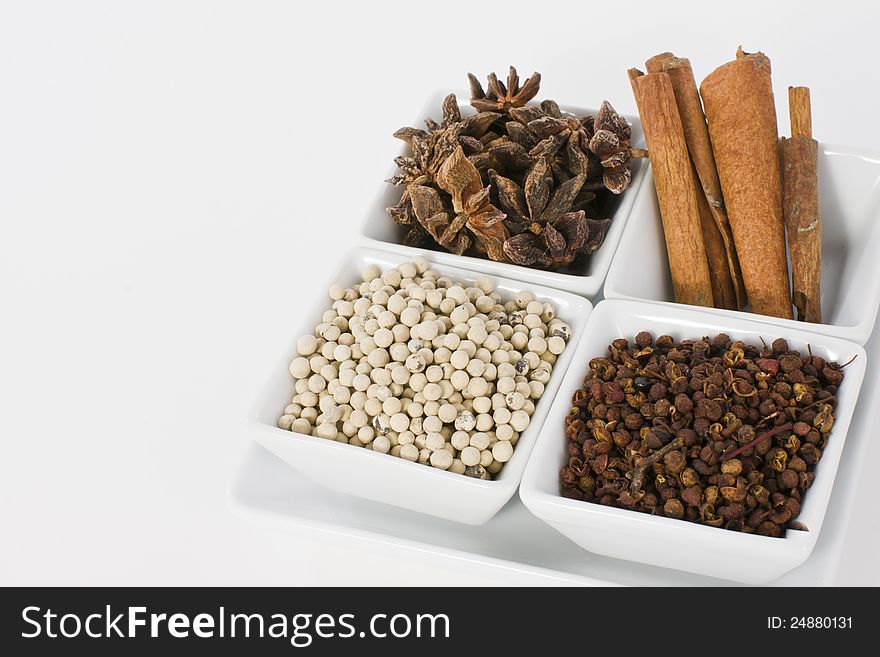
x=585 y=278
x=667 y=542
x=168 y=197
x=849 y=193
x=382 y=477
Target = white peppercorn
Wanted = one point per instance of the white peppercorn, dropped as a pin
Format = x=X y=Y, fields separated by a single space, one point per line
x=408 y=357
x=432 y=424
x=410 y=316
x=477 y=387
x=523 y=299
x=519 y=420
x=301 y=425
x=400 y=422
x=484 y=422
x=475 y=367
x=299 y=367
x=381 y=444
x=515 y=400
x=504 y=432
x=366 y=434
x=409 y=452
x=480 y=440
x=441 y=459
x=415 y=363
x=307 y=345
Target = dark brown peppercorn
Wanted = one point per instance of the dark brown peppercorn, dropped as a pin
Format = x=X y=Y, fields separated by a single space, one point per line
x=665 y=342
x=674 y=462
x=780 y=346
x=692 y=495
x=788 y=479
x=673 y=508
x=710 y=430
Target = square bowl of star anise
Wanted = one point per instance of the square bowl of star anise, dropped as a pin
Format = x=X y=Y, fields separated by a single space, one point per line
x=511 y=186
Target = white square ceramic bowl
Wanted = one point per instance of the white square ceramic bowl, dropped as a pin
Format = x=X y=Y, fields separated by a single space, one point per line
x=380 y=232
x=849 y=189
x=384 y=478
x=666 y=542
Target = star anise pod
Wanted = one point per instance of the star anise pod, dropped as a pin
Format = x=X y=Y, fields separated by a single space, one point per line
x=610 y=143
x=564 y=134
x=430 y=148
x=558 y=243
x=537 y=202
x=433 y=216
x=500 y=98
x=471 y=201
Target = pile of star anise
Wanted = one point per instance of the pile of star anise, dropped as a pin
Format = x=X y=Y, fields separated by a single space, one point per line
x=513 y=182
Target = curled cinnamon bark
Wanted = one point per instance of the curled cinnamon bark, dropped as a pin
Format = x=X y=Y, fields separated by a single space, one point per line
x=800 y=156
x=738 y=99
x=676 y=187
x=727 y=283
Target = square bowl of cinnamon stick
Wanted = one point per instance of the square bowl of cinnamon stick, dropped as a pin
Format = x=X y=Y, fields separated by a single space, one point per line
x=736 y=219
x=603 y=520
x=849 y=192
x=584 y=276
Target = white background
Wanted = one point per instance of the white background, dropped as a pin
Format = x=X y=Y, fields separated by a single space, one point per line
x=174 y=176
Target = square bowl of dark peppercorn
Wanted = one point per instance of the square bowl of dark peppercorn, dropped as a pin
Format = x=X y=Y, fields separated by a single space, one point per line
x=849 y=197
x=693 y=441
x=545 y=208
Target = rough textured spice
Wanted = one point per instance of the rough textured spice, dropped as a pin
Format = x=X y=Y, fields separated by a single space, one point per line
x=501 y=97
x=800 y=156
x=727 y=284
x=515 y=182
x=676 y=187
x=738 y=99
x=713 y=431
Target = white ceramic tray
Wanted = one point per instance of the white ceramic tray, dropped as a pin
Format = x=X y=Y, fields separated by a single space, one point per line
x=515 y=541
x=379 y=232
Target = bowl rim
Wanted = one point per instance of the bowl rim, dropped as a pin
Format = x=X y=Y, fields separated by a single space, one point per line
x=858 y=331
x=513 y=270
x=554 y=508
x=581 y=307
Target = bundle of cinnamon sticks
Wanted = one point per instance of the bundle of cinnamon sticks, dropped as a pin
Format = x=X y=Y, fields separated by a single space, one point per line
x=726 y=198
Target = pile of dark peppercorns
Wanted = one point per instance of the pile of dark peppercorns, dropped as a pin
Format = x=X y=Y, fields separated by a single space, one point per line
x=713 y=431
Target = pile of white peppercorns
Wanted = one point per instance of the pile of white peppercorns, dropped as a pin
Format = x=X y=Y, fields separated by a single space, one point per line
x=412 y=364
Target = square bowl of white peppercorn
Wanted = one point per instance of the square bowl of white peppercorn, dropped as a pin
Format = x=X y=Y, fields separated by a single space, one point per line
x=418 y=384
x=719 y=444
x=584 y=275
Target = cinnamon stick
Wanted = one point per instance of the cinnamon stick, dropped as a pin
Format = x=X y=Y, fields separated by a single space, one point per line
x=800 y=156
x=727 y=282
x=738 y=99
x=723 y=289
x=676 y=187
